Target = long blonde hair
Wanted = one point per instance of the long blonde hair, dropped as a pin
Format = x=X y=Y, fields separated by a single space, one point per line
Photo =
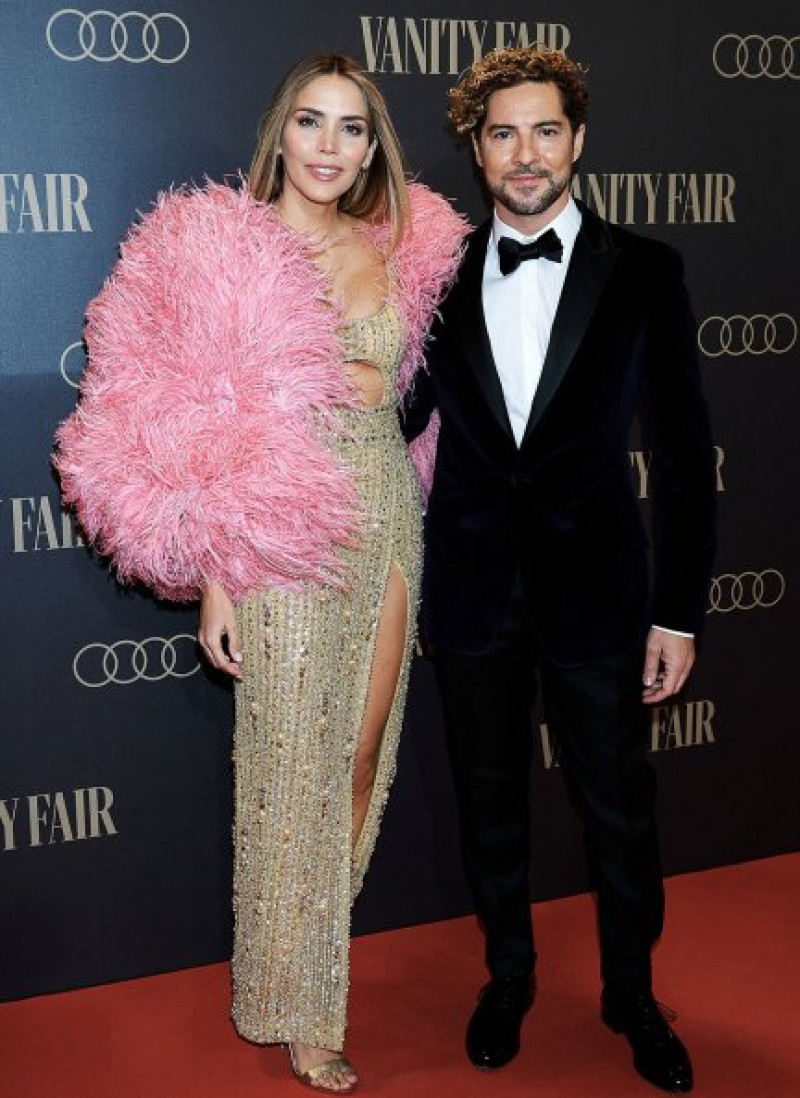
x=380 y=190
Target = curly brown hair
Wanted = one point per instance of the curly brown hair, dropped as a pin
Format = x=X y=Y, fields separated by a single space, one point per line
x=505 y=68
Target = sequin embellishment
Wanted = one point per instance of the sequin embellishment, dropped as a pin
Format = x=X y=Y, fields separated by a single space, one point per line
x=298 y=714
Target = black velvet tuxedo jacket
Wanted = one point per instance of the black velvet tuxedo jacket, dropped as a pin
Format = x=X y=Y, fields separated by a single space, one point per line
x=560 y=510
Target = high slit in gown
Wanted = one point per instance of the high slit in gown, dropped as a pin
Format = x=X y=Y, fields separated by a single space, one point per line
x=299 y=713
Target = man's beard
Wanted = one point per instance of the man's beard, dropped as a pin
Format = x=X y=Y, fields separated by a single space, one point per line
x=536 y=204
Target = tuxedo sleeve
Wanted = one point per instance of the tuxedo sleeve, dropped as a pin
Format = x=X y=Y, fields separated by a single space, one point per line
x=677 y=431
x=418 y=406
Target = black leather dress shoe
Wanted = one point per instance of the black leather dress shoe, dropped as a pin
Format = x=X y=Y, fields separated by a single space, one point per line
x=493 y=1030
x=658 y=1053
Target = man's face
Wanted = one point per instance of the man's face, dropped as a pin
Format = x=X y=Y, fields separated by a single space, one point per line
x=526 y=149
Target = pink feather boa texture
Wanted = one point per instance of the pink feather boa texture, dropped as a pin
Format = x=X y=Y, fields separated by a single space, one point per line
x=200 y=448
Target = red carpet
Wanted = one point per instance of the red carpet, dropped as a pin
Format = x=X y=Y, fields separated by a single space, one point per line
x=729 y=964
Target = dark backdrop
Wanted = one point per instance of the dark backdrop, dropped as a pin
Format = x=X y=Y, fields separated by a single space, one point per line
x=114 y=751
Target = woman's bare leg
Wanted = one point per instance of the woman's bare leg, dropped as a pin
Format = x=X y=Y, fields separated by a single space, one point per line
x=387 y=661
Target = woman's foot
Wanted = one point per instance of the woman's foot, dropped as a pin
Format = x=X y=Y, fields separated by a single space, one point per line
x=323 y=1070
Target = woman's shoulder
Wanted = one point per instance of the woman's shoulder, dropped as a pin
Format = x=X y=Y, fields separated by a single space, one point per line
x=210 y=220
x=424 y=203
x=431 y=245
x=209 y=256
x=435 y=227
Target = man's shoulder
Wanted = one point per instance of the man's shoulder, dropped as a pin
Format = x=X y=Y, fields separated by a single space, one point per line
x=471 y=266
x=635 y=246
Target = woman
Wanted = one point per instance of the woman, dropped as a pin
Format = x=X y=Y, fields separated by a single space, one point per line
x=237 y=441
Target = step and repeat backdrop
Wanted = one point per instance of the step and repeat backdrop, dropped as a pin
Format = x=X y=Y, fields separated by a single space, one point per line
x=115 y=777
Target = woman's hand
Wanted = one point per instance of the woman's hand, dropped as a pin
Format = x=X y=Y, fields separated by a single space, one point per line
x=216 y=633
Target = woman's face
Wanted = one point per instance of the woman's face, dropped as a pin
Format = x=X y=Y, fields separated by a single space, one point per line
x=325 y=142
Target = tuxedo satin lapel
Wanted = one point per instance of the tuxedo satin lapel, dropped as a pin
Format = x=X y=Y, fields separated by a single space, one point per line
x=471 y=333
x=593 y=259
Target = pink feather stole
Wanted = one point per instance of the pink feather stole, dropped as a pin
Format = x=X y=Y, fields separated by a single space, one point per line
x=200 y=448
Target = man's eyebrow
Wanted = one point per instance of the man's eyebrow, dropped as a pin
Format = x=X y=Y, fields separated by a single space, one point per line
x=536 y=125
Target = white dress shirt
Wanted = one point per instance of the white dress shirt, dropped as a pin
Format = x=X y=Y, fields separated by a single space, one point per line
x=520 y=308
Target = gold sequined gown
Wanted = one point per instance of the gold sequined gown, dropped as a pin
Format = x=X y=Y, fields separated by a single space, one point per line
x=298 y=717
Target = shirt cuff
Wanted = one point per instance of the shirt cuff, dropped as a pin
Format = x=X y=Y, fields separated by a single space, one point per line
x=675 y=632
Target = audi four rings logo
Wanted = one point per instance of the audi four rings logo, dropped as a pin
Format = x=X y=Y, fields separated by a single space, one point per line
x=72 y=364
x=753 y=56
x=130 y=36
x=748 y=591
x=129 y=661
x=747 y=335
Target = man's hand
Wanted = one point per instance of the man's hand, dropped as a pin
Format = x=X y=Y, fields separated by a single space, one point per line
x=668 y=661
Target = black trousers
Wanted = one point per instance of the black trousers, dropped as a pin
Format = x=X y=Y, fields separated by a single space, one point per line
x=596 y=713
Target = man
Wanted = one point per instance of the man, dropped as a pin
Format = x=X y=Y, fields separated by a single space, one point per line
x=558 y=328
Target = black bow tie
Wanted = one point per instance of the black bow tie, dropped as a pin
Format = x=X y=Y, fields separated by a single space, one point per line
x=512 y=252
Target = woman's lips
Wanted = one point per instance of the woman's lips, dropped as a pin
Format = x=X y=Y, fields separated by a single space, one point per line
x=324 y=173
